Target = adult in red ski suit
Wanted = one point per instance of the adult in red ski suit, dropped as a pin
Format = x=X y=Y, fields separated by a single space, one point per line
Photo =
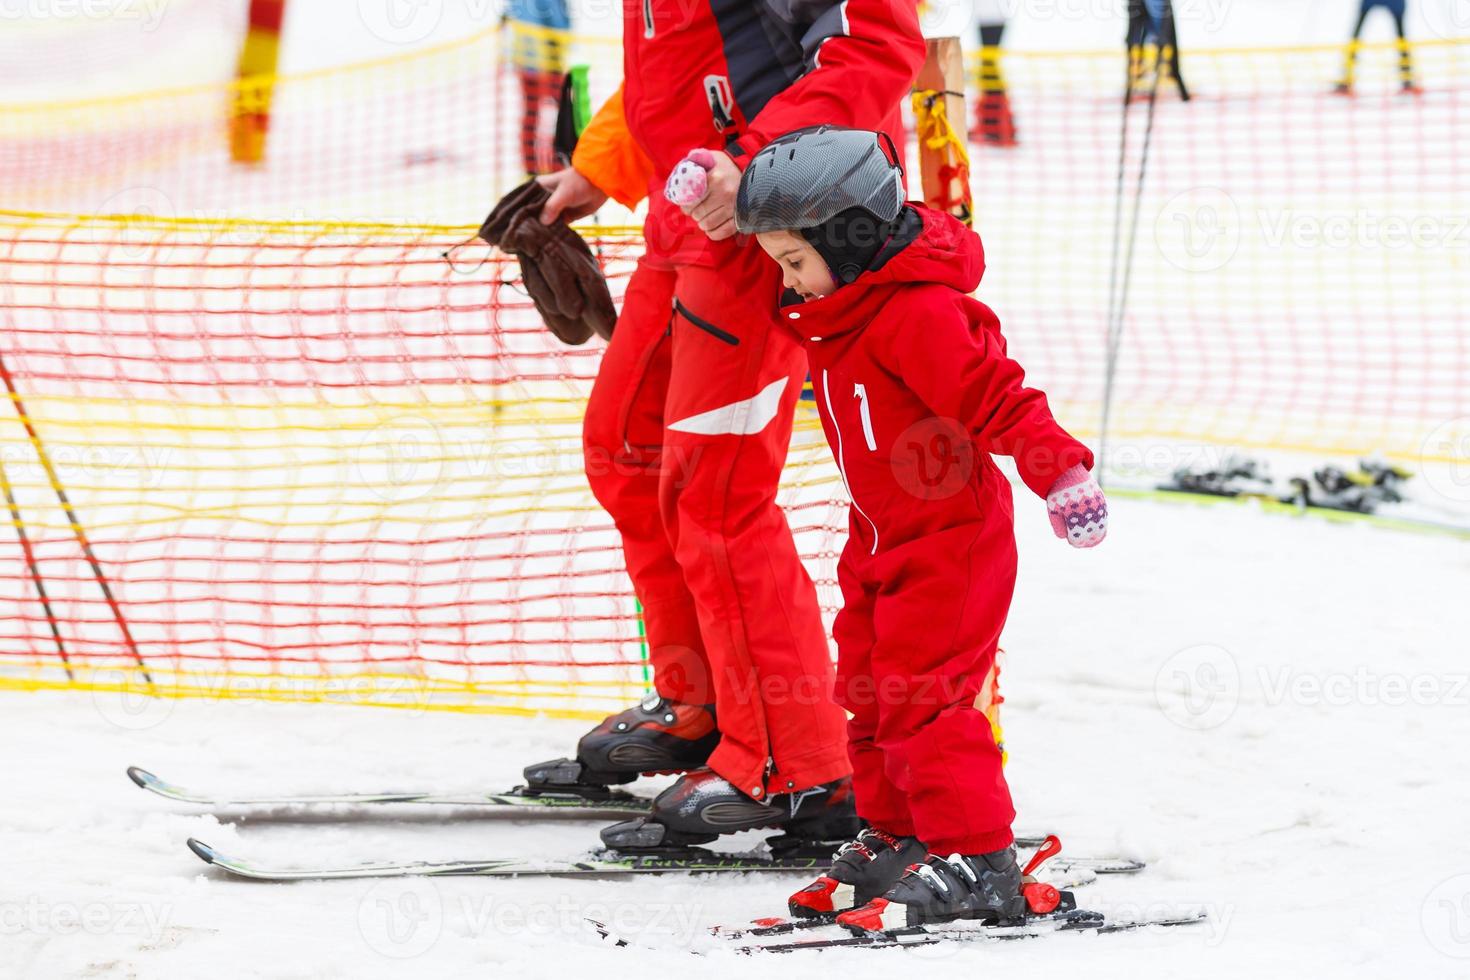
x=689 y=422
x=915 y=393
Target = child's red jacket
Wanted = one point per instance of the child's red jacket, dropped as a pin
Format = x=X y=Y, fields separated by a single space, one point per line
x=915 y=392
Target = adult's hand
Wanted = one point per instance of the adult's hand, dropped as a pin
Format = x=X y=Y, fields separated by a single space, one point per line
x=572 y=196
x=715 y=213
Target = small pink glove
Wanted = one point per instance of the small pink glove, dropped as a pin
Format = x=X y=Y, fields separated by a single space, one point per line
x=689 y=182
x=1078 y=509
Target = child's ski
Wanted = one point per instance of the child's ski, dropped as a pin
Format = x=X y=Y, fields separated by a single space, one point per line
x=1074 y=920
x=784 y=926
x=1066 y=919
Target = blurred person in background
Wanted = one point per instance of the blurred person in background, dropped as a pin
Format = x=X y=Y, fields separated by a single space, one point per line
x=993 y=121
x=539 y=32
x=1397 y=9
x=1151 y=22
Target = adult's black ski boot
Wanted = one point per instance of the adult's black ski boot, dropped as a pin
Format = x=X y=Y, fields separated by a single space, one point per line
x=654 y=736
x=863 y=870
x=701 y=806
x=961 y=886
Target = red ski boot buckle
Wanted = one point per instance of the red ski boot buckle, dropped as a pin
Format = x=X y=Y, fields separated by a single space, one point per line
x=1041 y=898
x=818 y=898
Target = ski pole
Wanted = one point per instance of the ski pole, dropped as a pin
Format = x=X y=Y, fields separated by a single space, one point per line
x=35 y=570
x=71 y=516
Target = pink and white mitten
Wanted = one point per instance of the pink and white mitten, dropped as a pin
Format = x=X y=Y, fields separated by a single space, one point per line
x=1078 y=509
x=689 y=182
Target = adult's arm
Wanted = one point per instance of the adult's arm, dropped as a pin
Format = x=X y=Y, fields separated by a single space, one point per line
x=607 y=155
x=862 y=55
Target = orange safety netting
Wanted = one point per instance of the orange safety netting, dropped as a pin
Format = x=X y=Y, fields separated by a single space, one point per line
x=310 y=455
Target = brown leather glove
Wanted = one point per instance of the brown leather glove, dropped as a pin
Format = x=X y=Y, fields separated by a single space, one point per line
x=557 y=267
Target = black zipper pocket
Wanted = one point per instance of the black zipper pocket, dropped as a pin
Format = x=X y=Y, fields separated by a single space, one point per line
x=705 y=325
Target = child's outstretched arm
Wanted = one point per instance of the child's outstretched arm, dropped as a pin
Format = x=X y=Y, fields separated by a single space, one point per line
x=963 y=372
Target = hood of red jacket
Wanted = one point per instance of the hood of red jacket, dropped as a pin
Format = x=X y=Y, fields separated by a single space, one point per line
x=944 y=252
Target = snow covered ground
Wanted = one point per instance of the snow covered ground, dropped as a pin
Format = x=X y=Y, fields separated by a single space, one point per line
x=1267 y=709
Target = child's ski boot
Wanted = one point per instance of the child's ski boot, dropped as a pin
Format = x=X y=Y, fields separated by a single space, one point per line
x=989 y=887
x=863 y=870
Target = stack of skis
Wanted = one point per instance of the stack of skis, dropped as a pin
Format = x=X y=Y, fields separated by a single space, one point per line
x=1366 y=490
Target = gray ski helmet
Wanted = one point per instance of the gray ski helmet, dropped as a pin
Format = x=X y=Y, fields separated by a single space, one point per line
x=805 y=178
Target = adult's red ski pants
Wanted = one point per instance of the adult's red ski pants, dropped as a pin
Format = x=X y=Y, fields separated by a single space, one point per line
x=686 y=432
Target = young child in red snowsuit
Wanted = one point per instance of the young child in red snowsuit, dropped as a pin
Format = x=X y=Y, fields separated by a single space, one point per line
x=915 y=392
